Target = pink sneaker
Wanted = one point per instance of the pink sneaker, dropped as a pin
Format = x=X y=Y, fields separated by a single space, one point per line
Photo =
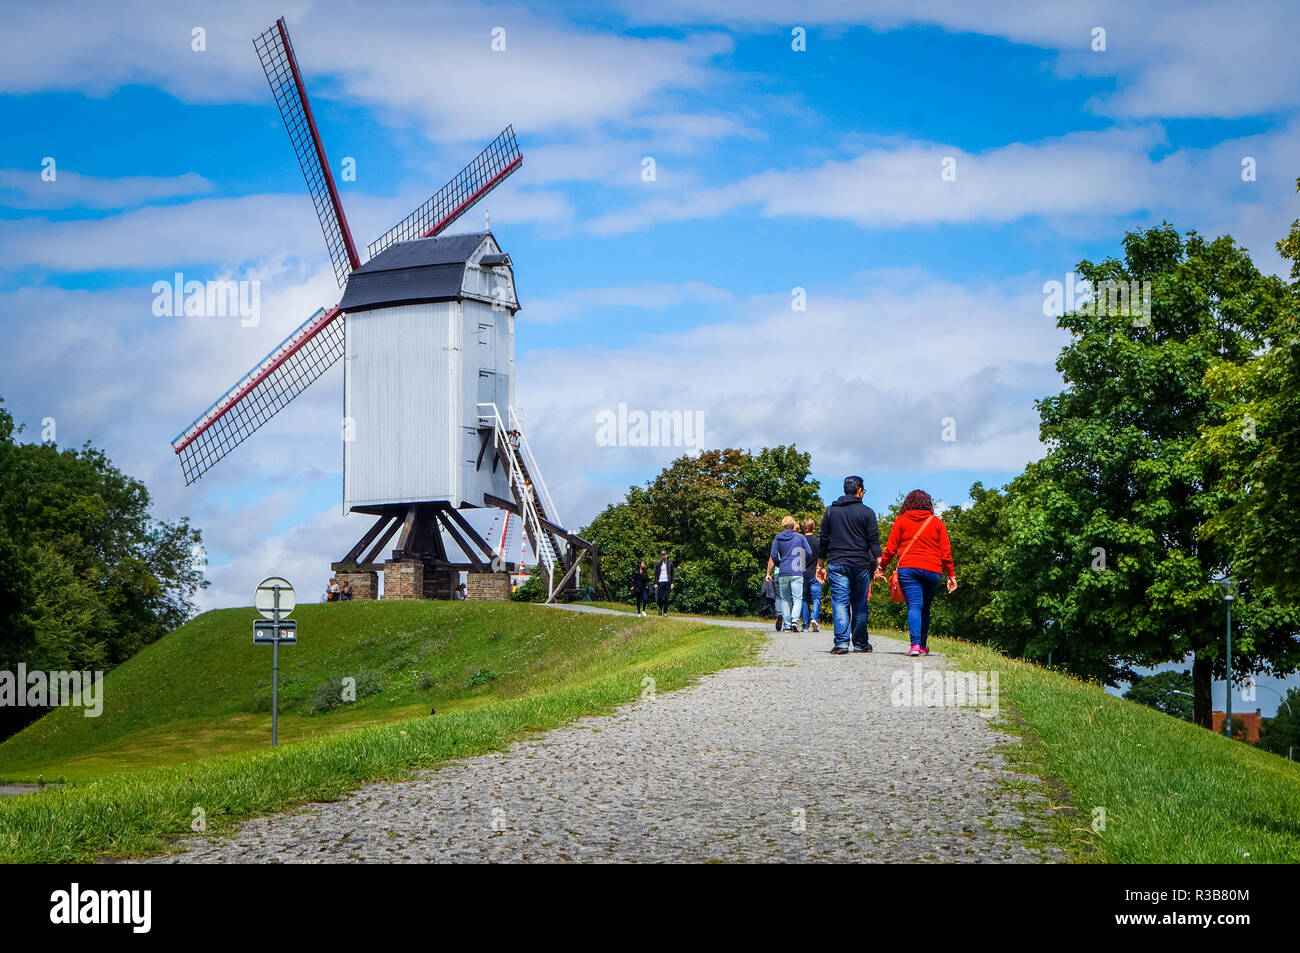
x=915 y=650
x=925 y=650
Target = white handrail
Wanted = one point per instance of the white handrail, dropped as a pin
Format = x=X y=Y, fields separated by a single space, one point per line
x=530 y=461
x=500 y=437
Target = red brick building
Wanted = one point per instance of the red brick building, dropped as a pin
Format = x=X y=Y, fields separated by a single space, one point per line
x=1251 y=722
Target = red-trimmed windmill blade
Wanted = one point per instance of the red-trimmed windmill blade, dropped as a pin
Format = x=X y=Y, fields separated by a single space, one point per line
x=318 y=343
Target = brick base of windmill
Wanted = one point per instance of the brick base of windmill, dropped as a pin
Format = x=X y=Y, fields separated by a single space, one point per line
x=419 y=565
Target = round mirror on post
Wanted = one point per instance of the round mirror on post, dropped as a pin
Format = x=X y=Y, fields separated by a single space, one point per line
x=264 y=598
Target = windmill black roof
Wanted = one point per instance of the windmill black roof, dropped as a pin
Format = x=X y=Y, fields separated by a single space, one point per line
x=426 y=269
x=443 y=250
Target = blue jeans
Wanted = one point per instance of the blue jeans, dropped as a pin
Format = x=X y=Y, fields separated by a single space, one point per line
x=849 y=585
x=791 y=590
x=919 y=587
x=812 y=603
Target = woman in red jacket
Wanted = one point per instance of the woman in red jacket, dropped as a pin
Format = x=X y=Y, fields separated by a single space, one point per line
x=921 y=540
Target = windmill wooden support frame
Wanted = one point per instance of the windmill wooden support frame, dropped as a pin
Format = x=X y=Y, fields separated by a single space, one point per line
x=419 y=529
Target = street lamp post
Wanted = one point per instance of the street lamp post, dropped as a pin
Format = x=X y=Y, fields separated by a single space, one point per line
x=1228 y=586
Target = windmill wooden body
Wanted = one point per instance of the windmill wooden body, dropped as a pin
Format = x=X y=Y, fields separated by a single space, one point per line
x=426 y=331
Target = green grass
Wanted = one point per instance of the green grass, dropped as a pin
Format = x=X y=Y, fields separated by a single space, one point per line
x=651 y=610
x=1173 y=793
x=186 y=726
x=182 y=729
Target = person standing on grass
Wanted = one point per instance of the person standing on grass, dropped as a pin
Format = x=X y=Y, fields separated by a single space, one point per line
x=810 y=612
x=792 y=552
x=640 y=586
x=664 y=584
x=921 y=540
x=850 y=546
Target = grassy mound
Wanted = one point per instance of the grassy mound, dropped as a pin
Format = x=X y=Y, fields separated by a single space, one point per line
x=182 y=727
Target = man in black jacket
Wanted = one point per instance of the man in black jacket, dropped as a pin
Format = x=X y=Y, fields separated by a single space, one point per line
x=850 y=548
x=663 y=581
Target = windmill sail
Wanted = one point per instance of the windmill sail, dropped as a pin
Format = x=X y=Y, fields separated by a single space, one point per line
x=319 y=342
x=260 y=394
x=482 y=175
x=281 y=68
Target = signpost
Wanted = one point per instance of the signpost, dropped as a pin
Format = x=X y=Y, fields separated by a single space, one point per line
x=274 y=599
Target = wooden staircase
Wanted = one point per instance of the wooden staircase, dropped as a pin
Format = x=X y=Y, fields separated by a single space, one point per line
x=558 y=550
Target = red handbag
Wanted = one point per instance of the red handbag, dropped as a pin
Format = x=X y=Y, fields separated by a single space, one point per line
x=895 y=590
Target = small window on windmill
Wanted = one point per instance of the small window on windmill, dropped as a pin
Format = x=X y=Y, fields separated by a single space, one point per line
x=489 y=267
x=486 y=334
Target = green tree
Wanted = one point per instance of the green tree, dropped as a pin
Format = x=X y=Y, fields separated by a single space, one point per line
x=1103 y=535
x=1238 y=728
x=716 y=514
x=975 y=534
x=1256 y=446
x=1281 y=734
x=87 y=577
x=1169 y=692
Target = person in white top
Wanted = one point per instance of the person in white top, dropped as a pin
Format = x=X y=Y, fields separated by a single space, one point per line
x=663 y=581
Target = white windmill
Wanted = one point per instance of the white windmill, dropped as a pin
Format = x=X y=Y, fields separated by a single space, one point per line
x=426 y=328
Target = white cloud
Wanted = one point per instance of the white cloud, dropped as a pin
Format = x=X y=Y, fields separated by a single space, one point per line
x=232 y=232
x=651 y=297
x=26 y=189
x=862 y=380
x=110 y=371
x=1082 y=182
x=1189 y=58
x=222 y=231
x=427 y=63
x=1170 y=59
x=302 y=554
x=902 y=183
x=1085 y=180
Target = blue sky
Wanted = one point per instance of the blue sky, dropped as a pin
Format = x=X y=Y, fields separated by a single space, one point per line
x=776 y=169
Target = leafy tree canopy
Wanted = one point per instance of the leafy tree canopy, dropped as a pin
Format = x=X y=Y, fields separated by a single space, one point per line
x=1169 y=692
x=1282 y=734
x=716 y=515
x=87 y=576
x=1103 y=535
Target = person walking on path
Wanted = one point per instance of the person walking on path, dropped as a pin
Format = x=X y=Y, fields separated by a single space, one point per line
x=640 y=587
x=850 y=547
x=921 y=540
x=664 y=584
x=811 y=610
x=793 y=554
x=767 y=599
